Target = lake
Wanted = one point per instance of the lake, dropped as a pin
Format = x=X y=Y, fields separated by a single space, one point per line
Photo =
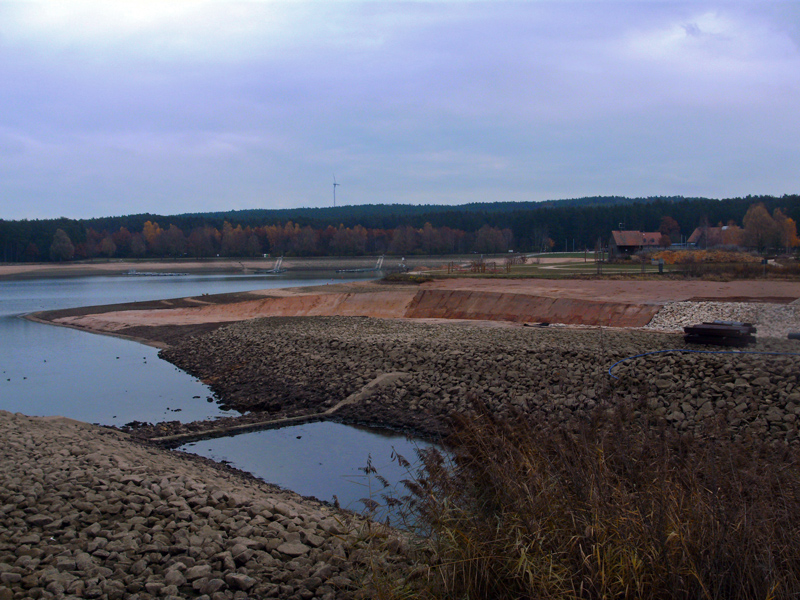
x=47 y=370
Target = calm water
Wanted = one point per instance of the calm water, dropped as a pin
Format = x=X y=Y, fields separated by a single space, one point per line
x=319 y=459
x=48 y=370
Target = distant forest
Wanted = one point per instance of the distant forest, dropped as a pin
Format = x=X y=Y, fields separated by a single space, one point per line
x=486 y=228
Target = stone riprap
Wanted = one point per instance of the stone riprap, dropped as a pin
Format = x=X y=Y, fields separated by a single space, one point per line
x=280 y=366
x=87 y=513
x=771 y=320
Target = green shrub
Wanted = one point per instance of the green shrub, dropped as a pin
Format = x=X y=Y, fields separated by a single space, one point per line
x=416 y=278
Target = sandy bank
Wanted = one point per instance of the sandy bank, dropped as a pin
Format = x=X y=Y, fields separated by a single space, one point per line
x=208 y=265
x=85 y=269
x=578 y=302
x=634 y=291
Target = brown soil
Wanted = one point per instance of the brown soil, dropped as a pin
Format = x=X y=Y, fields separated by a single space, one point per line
x=650 y=291
x=615 y=303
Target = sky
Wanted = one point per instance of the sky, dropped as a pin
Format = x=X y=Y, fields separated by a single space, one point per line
x=174 y=106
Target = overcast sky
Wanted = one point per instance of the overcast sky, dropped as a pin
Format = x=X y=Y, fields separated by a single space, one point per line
x=110 y=108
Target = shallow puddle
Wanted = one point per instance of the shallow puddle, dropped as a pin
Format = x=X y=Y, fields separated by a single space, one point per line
x=320 y=459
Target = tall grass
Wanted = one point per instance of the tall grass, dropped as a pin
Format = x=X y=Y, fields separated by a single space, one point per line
x=615 y=509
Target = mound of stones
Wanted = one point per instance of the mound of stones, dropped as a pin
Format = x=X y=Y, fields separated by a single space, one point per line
x=752 y=395
x=771 y=320
x=555 y=374
x=86 y=513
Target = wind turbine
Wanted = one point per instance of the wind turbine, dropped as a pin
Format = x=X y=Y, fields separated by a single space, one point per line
x=334 y=190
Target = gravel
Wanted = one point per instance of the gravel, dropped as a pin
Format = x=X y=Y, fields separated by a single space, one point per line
x=280 y=366
x=771 y=320
x=87 y=513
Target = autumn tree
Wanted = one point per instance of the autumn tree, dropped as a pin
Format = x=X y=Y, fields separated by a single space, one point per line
x=787 y=230
x=324 y=239
x=107 y=246
x=91 y=245
x=173 y=241
x=760 y=228
x=138 y=245
x=280 y=238
x=732 y=235
x=202 y=241
x=430 y=239
x=253 y=246
x=152 y=236
x=404 y=240
x=305 y=243
x=378 y=241
x=122 y=239
x=61 y=249
x=348 y=242
x=669 y=227
x=234 y=240
x=491 y=240
x=450 y=239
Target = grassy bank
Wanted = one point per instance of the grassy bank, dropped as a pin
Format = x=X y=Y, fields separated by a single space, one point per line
x=618 y=508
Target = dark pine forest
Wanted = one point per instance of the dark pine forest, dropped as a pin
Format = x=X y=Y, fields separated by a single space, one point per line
x=373 y=229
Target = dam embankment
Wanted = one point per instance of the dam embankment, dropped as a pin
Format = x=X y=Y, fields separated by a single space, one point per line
x=428 y=301
x=608 y=303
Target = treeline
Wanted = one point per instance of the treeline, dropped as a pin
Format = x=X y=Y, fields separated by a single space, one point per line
x=289 y=239
x=372 y=229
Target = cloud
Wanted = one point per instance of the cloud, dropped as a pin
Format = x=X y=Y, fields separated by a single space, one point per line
x=173 y=105
x=169 y=30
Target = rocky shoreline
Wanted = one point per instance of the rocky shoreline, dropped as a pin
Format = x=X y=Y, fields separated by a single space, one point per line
x=277 y=367
x=85 y=512
x=98 y=513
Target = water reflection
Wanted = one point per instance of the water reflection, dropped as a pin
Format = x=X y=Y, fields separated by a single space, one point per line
x=47 y=370
x=319 y=459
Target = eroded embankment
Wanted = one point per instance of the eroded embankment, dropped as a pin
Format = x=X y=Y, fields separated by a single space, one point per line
x=526 y=308
x=407 y=302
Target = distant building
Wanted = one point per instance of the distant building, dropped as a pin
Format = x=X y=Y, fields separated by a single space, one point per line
x=625 y=243
x=710 y=237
